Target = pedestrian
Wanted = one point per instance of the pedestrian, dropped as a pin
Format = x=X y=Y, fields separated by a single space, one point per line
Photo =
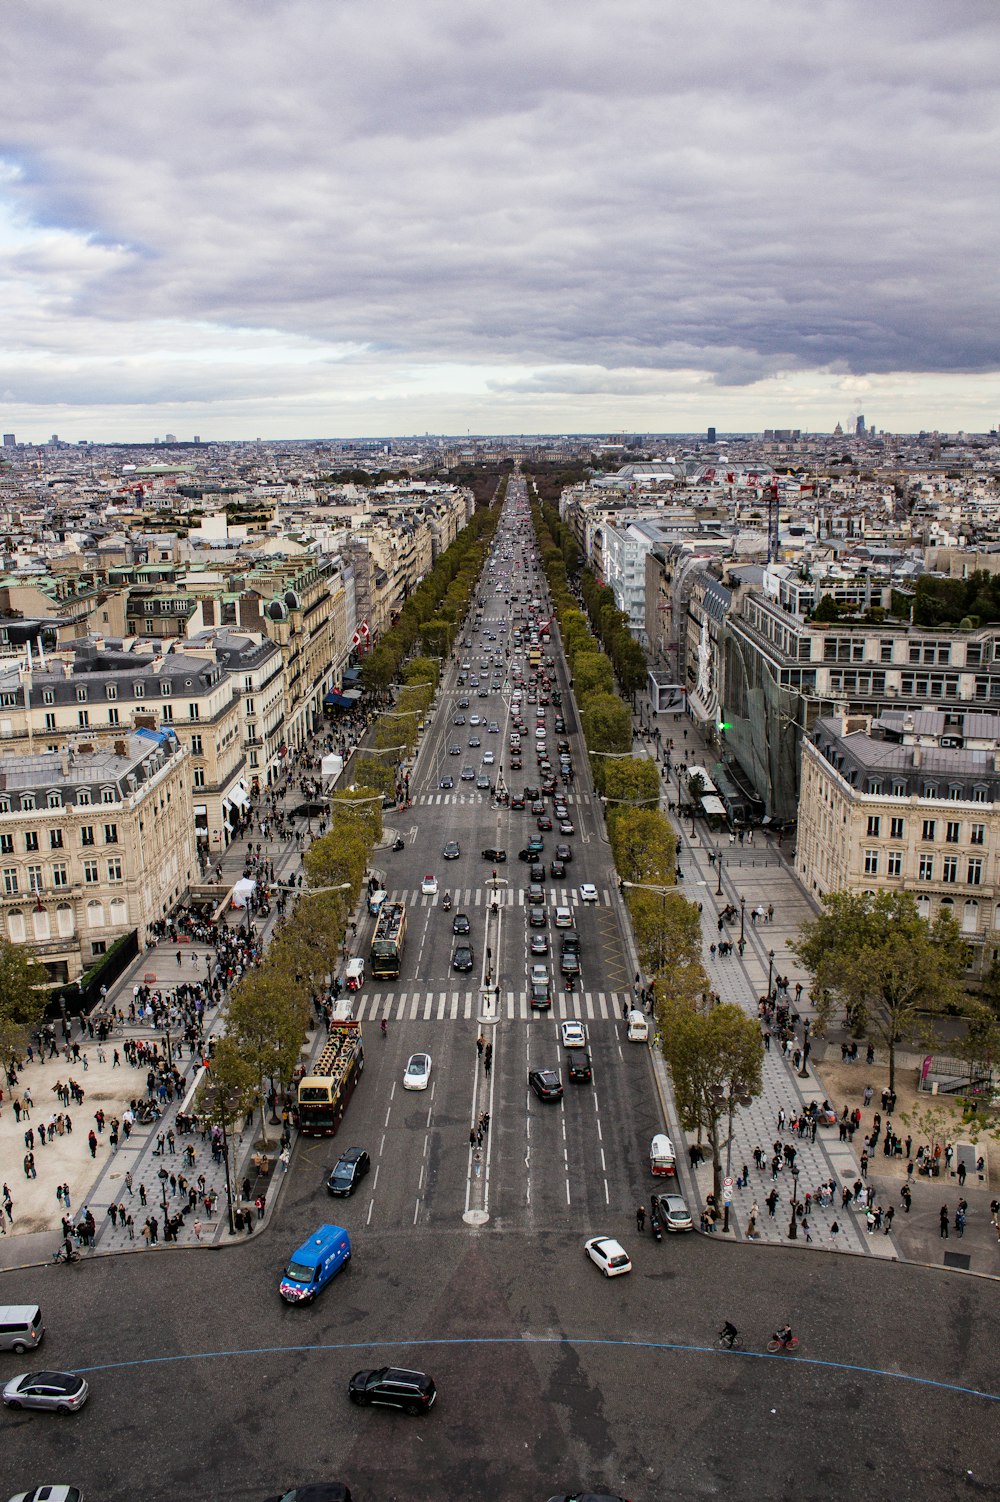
x=259 y=1206
x=66 y=1195
x=197 y=1230
x=960 y=1222
x=142 y=1195
x=113 y=1214
x=480 y=1045
x=962 y=1170
x=906 y=1194
x=130 y=1227
x=92 y=1142
x=887 y=1226
x=472 y=1137
x=944 y=1222
x=488 y=1060
x=128 y=1182
x=640 y=1218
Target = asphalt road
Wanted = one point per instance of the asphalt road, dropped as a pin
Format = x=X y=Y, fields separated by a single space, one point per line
x=551 y=1378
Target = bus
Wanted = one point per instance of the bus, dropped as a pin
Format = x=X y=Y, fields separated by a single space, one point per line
x=325 y=1091
x=388 y=940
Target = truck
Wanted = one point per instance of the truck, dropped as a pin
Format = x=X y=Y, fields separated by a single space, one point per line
x=314 y=1263
x=328 y=1086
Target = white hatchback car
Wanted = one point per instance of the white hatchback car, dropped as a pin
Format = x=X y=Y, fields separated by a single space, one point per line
x=588 y=892
x=429 y=886
x=563 y=918
x=417 y=1073
x=609 y=1255
x=574 y=1034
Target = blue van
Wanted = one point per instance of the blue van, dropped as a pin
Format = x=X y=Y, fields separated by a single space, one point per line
x=315 y=1262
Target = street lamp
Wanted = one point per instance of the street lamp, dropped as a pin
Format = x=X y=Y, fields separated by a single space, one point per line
x=743 y=908
x=718 y=862
x=770 y=971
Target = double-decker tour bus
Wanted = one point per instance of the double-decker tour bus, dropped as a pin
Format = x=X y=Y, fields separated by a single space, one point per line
x=388 y=940
x=329 y=1085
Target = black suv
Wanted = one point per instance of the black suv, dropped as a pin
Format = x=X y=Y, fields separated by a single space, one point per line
x=491 y=854
x=393 y=1387
x=578 y=1065
x=349 y=1172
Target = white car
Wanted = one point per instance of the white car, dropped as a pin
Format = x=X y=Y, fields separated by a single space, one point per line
x=540 y=972
x=574 y=1034
x=609 y=1255
x=417 y=1073
x=563 y=918
x=488 y=758
x=588 y=892
x=429 y=886
x=50 y=1494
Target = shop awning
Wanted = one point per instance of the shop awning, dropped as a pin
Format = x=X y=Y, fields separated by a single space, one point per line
x=337 y=701
x=237 y=795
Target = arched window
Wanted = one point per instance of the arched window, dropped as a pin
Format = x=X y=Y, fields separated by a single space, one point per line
x=970 y=917
x=40 y=922
x=64 y=920
x=15 y=927
x=119 y=912
x=95 y=914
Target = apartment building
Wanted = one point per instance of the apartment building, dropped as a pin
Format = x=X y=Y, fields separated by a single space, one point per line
x=94 y=842
x=907 y=801
x=257 y=671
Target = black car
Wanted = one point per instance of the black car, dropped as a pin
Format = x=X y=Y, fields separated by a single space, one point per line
x=536 y=872
x=319 y=1491
x=393 y=1387
x=570 y=941
x=349 y=1172
x=546 y=1084
x=460 y=924
x=489 y=854
x=578 y=1065
x=516 y=802
x=557 y=870
x=463 y=958
x=564 y=853
x=540 y=995
x=536 y=894
x=537 y=917
x=452 y=851
x=569 y=962
x=446 y=782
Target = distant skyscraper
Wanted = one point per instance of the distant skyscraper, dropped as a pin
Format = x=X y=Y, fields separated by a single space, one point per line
x=859 y=426
x=711 y=435
x=8 y=441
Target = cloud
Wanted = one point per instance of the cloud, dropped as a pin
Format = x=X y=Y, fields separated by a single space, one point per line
x=718 y=193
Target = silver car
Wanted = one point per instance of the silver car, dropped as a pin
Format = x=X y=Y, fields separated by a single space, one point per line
x=63 y=1391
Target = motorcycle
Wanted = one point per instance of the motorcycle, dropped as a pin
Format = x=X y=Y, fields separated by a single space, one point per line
x=654 y=1217
x=398 y=843
x=446 y=902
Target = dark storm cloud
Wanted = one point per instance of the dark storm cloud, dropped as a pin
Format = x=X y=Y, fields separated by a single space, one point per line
x=616 y=186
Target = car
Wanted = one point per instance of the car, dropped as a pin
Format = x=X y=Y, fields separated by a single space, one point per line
x=570 y=941
x=563 y=918
x=494 y=728
x=483 y=693
x=579 y=1066
x=459 y=719
x=674 y=1213
x=564 y=852
x=538 y=806
x=452 y=851
x=393 y=1387
x=474 y=743
x=589 y=1497
x=64 y=1392
x=546 y=1084
x=491 y=853
x=539 y=944
x=488 y=758
x=468 y=774
x=536 y=872
x=539 y=972
x=460 y=924
x=537 y=917
x=569 y=962
x=446 y=782
x=416 y=1075
x=588 y=892
x=540 y=995
x=348 y=1172
x=531 y=793
x=475 y=719
x=566 y=826
x=535 y=845
x=574 y=1034
x=463 y=958
x=72 y=1494
x=429 y=886
x=543 y=822
x=609 y=1255
x=454 y=750
x=536 y=894
x=463 y=703
x=557 y=870
x=483 y=782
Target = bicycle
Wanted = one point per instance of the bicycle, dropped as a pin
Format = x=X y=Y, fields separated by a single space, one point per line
x=727 y=1341
x=791 y=1344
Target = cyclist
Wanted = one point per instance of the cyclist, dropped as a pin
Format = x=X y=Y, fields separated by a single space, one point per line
x=385 y=1027
x=728 y=1333
x=784 y=1335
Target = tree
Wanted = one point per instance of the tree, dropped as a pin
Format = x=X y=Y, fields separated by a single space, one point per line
x=592 y=674
x=607 y=723
x=630 y=782
x=643 y=846
x=716 y=1062
x=877 y=957
x=266 y=1019
x=23 y=997
x=359 y=808
x=667 y=931
x=340 y=856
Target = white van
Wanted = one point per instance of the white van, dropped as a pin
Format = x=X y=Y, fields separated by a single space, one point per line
x=21 y=1327
x=638 y=1028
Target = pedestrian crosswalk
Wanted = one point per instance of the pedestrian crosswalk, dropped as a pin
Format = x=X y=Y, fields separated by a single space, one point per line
x=467 y=897
x=454 y=1006
x=441 y=799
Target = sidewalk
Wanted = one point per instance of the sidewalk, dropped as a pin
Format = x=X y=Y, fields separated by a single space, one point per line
x=762 y=876
x=96 y=1182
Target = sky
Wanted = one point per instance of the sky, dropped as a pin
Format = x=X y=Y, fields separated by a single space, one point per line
x=334 y=218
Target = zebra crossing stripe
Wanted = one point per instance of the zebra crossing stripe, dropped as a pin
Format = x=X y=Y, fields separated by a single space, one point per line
x=440 y=1006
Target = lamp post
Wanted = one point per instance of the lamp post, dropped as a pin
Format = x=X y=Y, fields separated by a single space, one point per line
x=770 y=971
x=718 y=862
x=743 y=908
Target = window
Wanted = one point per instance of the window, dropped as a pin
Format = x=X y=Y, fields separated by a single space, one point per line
x=899 y=788
x=199 y=777
x=167 y=713
x=31 y=839
x=980 y=794
x=83 y=718
x=949 y=871
x=91 y=872
x=6 y=844
x=874 y=826
x=194 y=712
x=955 y=792
x=60 y=878
x=115 y=869
x=107 y=795
x=929 y=827
x=10 y=880
x=871 y=862
x=953 y=832
x=926 y=872
x=83 y=797
x=111 y=834
x=53 y=799
x=196 y=745
x=139 y=690
x=48 y=696
x=977 y=834
x=165 y=687
x=35 y=883
x=896 y=828
x=970 y=918
x=81 y=696
x=55 y=839
x=50 y=720
x=27 y=803
x=974 y=875
x=87 y=834
x=111 y=691
x=894 y=863
x=113 y=716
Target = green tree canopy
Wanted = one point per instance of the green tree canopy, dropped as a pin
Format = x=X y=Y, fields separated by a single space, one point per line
x=266 y=1019
x=23 y=996
x=607 y=723
x=877 y=957
x=592 y=674
x=643 y=845
x=631 y=783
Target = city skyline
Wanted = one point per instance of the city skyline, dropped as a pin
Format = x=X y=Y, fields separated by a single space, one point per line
x=301 y=220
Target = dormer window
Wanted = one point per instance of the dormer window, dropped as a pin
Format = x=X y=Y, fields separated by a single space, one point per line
x=54 y=799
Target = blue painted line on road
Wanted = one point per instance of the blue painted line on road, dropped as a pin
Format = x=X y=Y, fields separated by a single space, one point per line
x=553 y=1340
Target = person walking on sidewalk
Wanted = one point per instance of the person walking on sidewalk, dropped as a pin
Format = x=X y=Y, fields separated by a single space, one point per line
x=944 y=1222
